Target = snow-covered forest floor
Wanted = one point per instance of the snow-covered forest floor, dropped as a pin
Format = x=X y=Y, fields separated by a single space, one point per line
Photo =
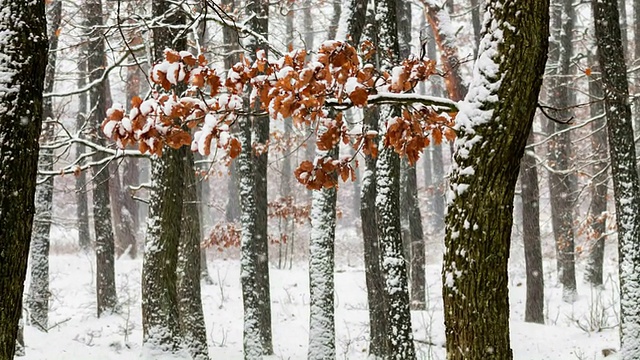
x=571 y=330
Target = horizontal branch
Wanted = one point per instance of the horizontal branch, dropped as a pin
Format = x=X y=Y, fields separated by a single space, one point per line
x=443 y=104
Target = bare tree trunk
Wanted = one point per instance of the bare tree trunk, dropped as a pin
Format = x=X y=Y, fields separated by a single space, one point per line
x=192 y=324
x=24 y=51
x=38 y=298
x=492 y=133
x=561 y=181
x=105 y=268
x=534 y=307
x=598 y=206
x=626 y=185
x=82 y=196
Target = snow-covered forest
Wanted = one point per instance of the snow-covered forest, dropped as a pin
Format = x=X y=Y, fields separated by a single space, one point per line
x=319 y=179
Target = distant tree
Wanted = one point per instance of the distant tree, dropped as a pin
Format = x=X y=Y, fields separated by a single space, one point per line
x=23 y=60
x=534 y=307
x=562 y=182
x=492 y=128
x=107 y=299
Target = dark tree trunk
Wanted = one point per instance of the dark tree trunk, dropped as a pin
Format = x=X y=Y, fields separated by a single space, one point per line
x=192 y=324
x=20 y=339
x=24 y=59
x=399 y=333
x=107 y=300
x=160 y=313
x=626 y=185
x=260 y=136
x=483 y=179
x=561 y=180
x=38 y=298
x=475 y=22
x=598 y=206
x=534 y=308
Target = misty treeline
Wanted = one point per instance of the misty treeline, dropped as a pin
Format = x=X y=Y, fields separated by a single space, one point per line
x=431 y=125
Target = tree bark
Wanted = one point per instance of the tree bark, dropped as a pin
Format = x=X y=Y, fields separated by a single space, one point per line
x=534 y=307
x=626 y=185
x=260 y=126
x=598 y=206
x=82 y=196
x=22 y=64
x=492 y=133
x=38 y=298
x=399 y=333
x=561 y=181
x=160 y=313
x=192 y=324
x=107 y=300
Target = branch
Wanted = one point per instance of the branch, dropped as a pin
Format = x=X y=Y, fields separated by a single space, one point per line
x=96 y=82
x=443 y=104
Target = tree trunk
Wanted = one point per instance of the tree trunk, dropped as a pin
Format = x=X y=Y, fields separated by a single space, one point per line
x=38 y=298
x=192 y=324
x=107 y=300
x=626 y=185
x=82 y=196
x=598 y=206
x=20 y=339
x=160 y=313
x=492 y=133
x=534 y=307
x=561 y=181
x=322 y=339
x=260 y=24
x=399 y=332
x=477 y=25
x=253 y=337
x=24 y=58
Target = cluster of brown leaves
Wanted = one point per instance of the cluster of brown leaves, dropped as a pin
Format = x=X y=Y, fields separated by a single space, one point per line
x=292 y=86
x=222 y=236
x=409 y=134
x=324 y=173
x=287 y=208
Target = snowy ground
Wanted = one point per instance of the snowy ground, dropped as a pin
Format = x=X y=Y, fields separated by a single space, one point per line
x=78 y=334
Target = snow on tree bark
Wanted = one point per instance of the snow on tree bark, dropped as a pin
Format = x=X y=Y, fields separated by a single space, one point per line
x=534 y=307
x=399 y=331
x=160 y=313
x=598 y=206
x=259 y=23
x=492 y=125
x=107 y=300
x=561 y=182
x=23 y=58
x=38 y=298
x=192 y=324
x=321 y=268
x=626 y=185
x=252 y=336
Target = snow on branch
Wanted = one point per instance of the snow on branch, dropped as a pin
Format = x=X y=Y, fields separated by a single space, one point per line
x=291 y=86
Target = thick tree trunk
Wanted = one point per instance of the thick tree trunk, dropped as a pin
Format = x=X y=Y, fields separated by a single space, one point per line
x=192 y=324
x=23 y=62
x=492 y=133
x=626 y=185
x=534 y=307
x=598 y=206
x=105 y=268
x=38 y=299
x=394 y=269
x=160 y=314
